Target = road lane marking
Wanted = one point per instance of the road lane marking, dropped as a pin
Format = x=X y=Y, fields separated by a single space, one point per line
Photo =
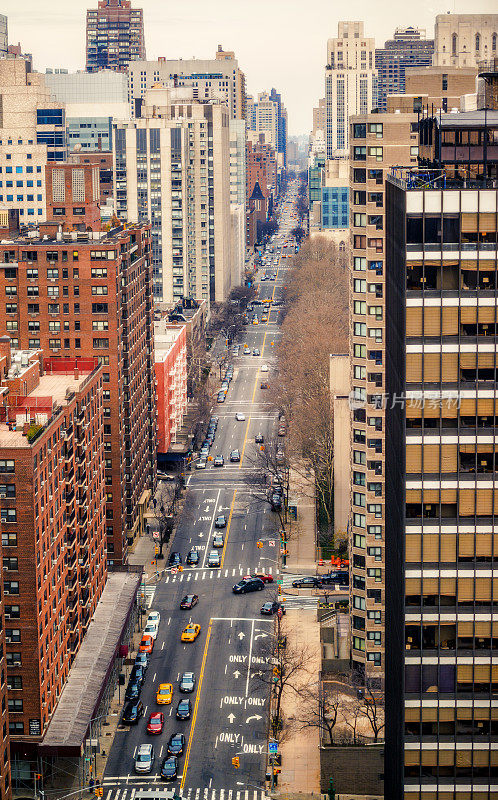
x=227 y=533
x=249 y=659
x=196 y=705
x=211 y=527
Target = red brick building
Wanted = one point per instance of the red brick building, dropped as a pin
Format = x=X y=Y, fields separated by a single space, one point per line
x=52 y=509
x=5 y=774
x=261 y=185
x=90 y=294
x=102 y=160
x=114 y=35
x=73 y=196
x=170 y=349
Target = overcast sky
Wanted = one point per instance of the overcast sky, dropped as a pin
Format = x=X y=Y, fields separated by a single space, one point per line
x=279 y=43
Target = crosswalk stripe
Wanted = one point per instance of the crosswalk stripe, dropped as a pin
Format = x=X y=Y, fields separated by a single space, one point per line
x=132 y=794
x=196 y=576
x=222 y=794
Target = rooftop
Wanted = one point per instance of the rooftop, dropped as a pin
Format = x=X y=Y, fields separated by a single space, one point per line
x=468 y=119
x=91 y=668
x=417 y=179
x=49 y=237
x=165 y=336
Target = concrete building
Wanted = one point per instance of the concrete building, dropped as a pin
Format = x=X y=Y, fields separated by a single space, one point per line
x=32 y=133
x=250 y=112
x=350 y=83
x=320 y=117
x=170 y=354
x=440 y=468
x=237 y=161
x=238 y=242
x=408 y=48
x=219 y=77
x=377 y=142
x=74 y=294
x=267 y=119
x=462 y=40
x=282 y=123
x=172 y=166
x=114 y=36
x=439 y=87
x=53 y=522
x=4 y=36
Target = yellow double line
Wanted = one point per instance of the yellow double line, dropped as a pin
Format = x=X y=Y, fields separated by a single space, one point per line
x=196 y=706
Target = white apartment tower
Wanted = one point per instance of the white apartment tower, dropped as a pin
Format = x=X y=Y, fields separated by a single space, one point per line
x=267 y=119
x=172 y=167
x=350 y=83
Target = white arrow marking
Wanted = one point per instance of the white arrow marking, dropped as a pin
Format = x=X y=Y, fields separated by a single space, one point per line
x=201 y=535
x=231 y=718
x=236 y=674
x=261 y=636
x=256 y=717
x=241 y=635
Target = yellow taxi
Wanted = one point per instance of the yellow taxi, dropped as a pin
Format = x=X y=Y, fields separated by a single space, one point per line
x=255 y=321
x=264 y=318
x=191 y=632
x=164 y=694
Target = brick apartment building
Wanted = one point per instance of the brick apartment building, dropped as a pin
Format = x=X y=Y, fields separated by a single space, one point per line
x=114 y=35
x=73 y=194
x=52 y=507
x=261 y=185
x=89 y=294
x=170 y=351
x=103 y=160
x=5 y=772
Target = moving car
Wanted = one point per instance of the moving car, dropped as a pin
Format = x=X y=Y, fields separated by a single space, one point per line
x=191 y=632
x=218 y=540
x=306 y=583
x=174 y=559
x=218 y=461
x=144 y=759
x=247 y=351
x=164 y=694
x=169 y=768
x=189 y=601
x=183 y=709
x=132 y=712
x=259 y=438
x=240 y=417
x=220 y=521
x=264 y=368
x=263 y=385
x=214 y=559
x=341 y=578
x=235 y=456
x=271 y=608
x=248 y=585
x=176 y=744
x=255 y=351
x=193 y=557
x=187 y=683
x=156 y=722
x=147 y=644
x=221 y=397
x=201 y=463
x=263 y=576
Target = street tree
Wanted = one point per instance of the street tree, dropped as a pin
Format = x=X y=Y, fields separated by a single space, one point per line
x=351 y=711
x=373 y=710
x=165 y=508
x=321 y=710
x=269 y=470
x=298 y=233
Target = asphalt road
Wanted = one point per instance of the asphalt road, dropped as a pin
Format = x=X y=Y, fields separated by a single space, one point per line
x=229 y=706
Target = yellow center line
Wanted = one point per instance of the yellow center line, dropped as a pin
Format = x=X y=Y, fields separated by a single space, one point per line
x=228 y=529
x=196 y=706
x=247 y=431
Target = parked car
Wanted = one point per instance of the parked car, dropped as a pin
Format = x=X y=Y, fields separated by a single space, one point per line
x=307 y=582
x=272 y=607
x=248 y=585
x=132 y=712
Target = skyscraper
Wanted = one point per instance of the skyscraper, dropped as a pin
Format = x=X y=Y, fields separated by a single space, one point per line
x=114 y=35
x=440 y=462
x=462 y=40
x=409 y=48
x=282 y=126
x=172 y=166
x=4 y=36
x=350 y=83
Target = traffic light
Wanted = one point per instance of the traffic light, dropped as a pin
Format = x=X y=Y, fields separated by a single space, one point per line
x=99 y=791
x=259 y=545
x=180 y=568
x=236 y=762
x=276 y=671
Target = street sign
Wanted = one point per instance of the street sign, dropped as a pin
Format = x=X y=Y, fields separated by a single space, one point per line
x=174 y=570
x=273 y=747
x=280 y=582
x=271 y=543
x=155 y=535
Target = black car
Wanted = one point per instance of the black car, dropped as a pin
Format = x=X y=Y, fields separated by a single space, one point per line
x=183 y=709
x=176 y=744
x=276 y=501
x=235 y=456
x=142 y=660
x=339 y=578
x=133 y=690
x=306 y=583
x=271 y=608
x=220 y=521
x=174 y=559
x=259 y=438
x=132 y=712
x=193 y=557
x=249 y=585
x=137 y=675
x=169 y=768
x=189 y=601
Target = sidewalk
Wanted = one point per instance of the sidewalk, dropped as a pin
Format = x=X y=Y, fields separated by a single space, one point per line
x=302 y=539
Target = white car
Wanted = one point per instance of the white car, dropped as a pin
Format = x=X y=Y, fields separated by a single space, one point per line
x=214 y=559
x=151 y=629
x=155 y=617
x=218 y=540
x=240 y=417
x=264 y=367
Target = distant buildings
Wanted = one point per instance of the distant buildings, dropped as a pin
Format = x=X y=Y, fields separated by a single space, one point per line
x=4 y=36
x=350 y=83
x=114 y=35
x=328 y=183
x=261 y=186
x=268 y=116
x=281 y=127
x=463 y=40
x=409 y=48
x=73 y=196
x=172 y=166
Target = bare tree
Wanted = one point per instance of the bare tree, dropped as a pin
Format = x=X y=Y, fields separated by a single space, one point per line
x=322 y=711
x=165 y=508
x=351 y=714
x=373 y=710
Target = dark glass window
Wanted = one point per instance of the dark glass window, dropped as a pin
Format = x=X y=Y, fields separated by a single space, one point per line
x=414 y=230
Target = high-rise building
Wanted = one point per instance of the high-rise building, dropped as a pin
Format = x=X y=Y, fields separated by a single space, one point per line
x=409 y=48
x=250 y=112
x=170 y=354
x=261 y=186
x=462 y=40
x=172 y=166
x=75 y=294
x=5 y=772
x=440 y=464
x=267 y=119
x=53 y=523
x=32 y=133
x=219 y=77
x=114 y=36
x=350 y=83
x=4 y=36
x=377 y=142
x=319 y=117
x=282 y=126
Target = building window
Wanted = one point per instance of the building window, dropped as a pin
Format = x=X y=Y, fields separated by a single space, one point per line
x=359 y=540
x=376 y=128
x=358 y=644
x=14 y=682
x=478 y=42
x=15 y=705
x=8 y=515
x=375 y=552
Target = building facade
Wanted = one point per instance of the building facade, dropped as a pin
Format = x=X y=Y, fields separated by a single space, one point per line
x=282 y=127
x=441 y=311
x=170 y=352
x=462 y=40
x=114 y=36
x=73 y=294
x=408 y=48
x=4 y=35
x=73 y=195
x=350 y=83
x=5 y=772
x=377 y=142
x=104 y=162
x=267 y=119
x=172 y=166
x=32 y=133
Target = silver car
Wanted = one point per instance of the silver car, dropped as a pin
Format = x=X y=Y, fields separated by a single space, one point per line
x=144 y=758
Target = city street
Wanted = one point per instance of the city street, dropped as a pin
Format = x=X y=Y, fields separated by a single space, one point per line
x=229 y=709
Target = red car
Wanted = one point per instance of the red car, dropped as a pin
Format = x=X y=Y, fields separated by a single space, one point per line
x=147 y=644
x=156 y=722
x=265 y=578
